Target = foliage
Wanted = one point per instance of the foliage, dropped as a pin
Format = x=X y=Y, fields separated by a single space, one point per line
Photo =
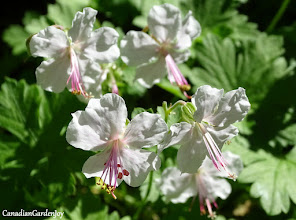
x=39 y=170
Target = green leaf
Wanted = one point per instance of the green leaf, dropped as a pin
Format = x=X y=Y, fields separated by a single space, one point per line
x=173 y=89
x=15 y=36
x=63 y=12
x=285 y=137
x=36 y=24
x=273 y=181
x=139 y=110
x=247 y=63
x=86 y=208
x=24 y=110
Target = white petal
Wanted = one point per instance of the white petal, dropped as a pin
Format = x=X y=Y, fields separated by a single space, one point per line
x=102 y=45
x=82 y=132
x=180 y=56
x=49 y=42
x=177 y=187
x=150 y=74
x=138 y=48
x=138 y=163
x=233 y=107
x=52 y=74
x=164 y=22
x=190 y=30
x=192 y=153
x=206 y=100
x=217 y=187
x=145 y=130
x=94 y=165
x=179 y=133
x=109 y=114
x=82 y=25
x=102 y=120
x=221 y=135
x=235 y=164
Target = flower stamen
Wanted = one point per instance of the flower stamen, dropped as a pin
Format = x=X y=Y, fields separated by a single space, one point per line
x=113 y=170
x=175 y=75
x=214 y=151
x=75 y=76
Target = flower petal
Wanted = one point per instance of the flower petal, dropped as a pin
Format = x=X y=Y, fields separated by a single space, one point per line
x=82 y=132
x=145 y=130
x=102 y=120
x=190 y=30
x=233 y=107
x=52 y=74
x=164 y=22
x=109 y=114
x=82 y=25
x=92 y=78
x=138 y=48
x=102 y=45
x=150 y=74
x=217 y=187
x=176 y=186
x=192 y=153
x=206 y=100
x=178 y=134
x=180 y=56
x=221 y=135
x=138 y=163
x=94 y=165
x=49 y=42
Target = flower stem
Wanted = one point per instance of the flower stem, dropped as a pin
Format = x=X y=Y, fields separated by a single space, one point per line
x=143 y=203
x=149 y=186
x=171 y=108
x=278 y=16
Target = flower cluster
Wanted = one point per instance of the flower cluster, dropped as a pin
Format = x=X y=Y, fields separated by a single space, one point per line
x=80 y=59
x=209 y=128
x=156 y=55
x=102 y=127
x=73 y=56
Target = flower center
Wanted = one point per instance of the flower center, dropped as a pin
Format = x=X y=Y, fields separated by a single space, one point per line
x=164 y=48
x=113 y=170
x=75 y=76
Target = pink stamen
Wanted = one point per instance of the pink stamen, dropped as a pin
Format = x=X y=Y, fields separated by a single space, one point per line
x=175 y=75
x=75 y=76
x=205 y=198
x=113 y=169
x=214 y=151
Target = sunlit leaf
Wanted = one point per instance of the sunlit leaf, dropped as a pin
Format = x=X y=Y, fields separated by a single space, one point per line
x=273 y=181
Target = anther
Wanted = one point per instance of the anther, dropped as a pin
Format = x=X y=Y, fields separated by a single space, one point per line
x=125 y=172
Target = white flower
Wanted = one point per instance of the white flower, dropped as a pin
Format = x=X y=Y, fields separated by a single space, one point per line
x=207 y=182
x=102 y=127
x=210 y=128
x=169 y=43
x=73 y=54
